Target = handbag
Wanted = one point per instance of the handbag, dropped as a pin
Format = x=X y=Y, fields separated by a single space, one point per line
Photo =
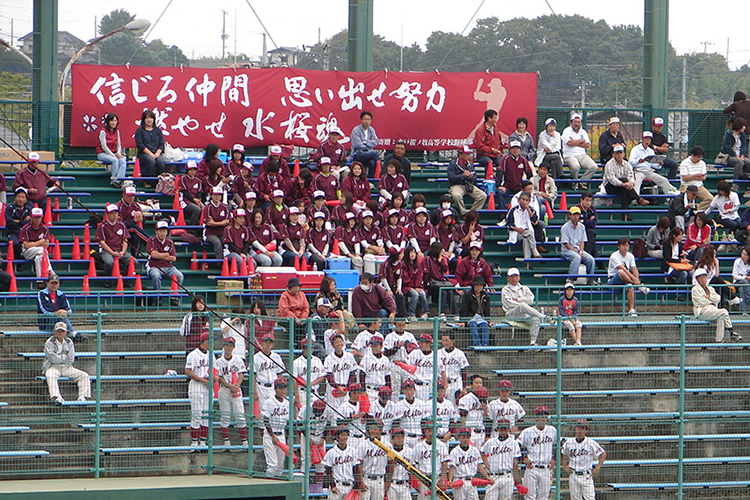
x=721 y=159
x=681 y=266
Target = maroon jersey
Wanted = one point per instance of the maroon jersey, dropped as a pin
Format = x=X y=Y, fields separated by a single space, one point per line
x=265 y=185
x=218 y=213
x=310 y=213
x=395 y=235
x=127 y=210
x=319 y=239
x=370 y=236
x=339 y=214
x=391 y=274
x=360 y=188
x=393 y=184
x=202 y=169
x=190 y=187
x=328 y=184
x=477 y=234
x=297 y=192
x=35 y=179
x=277 y=218
x=232 y=168
x=283 y=167
x=403 y=217
x=444 y=237
x=336 y=152
x=513 y=171
x=242 y=185
x=377 y=219
x=295 y=233
x=412 y=276
x=350 y=238
x=209 y=184
x=423 y=235
x=467 y=269
x=155 y=244
x=31 y=234
x=113 y=235
x=262 y=234
x=433 y=270
x=236 y=239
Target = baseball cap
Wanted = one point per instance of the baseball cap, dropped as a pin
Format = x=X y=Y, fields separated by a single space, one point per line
x=323 y=301
x=112 y=208
x=293 y=210
x=617 y=148
x=278 y=193
x=319 y=404
x=658 y=121
x=204 y=337
x=574 y=210
x=33 y=156
x=384 y=389
x=422 y=210
x=248 y=166
x=397 y=430
x=393 y=211
x=549 y=120
x=53 y=278
x=280 y=382
x=349 y=215
x=275 y=150
x=376 y=339
x=318 y=194
x=250 y=195
x=614 y=119
x=240 y=212
x=341 y=428
x=647 y=133
x=503 y=423
x=335 y=130
x=333 y=337
x=394 y=251
x=440 y=384
x=475 y=244
x=408 y=383
x=541 y=410
x=325 y=160
x=576 y=115
x=267 y=337
x=481 y=392
x=162 y=224
x=37 y=212
x=513 y=271
x=21 y=188
x=466 y=149
x=446 y=213
x=319 y=215
x=61 y=327
x=700 y=272
x=217 y=190
x=478 y=280
x=129 y=190
x=238 y=147
x=428 y=422
x=464 y=430
x=229 y=340
x=354 y=387
x=367 y=213
x=569 y=284
x=581 y=422
x=515 y=144
x=425 y=337
x=505 y=384
x=191 y=164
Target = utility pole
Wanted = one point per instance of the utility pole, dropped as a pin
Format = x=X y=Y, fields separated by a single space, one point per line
x=705 y=46
x=224 y=35
x=264 y=57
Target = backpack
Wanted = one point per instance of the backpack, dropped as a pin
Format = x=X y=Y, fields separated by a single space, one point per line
x=639 y=248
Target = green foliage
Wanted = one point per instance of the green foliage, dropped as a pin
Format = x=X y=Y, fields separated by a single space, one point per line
x=10 y=60
x=15 y=86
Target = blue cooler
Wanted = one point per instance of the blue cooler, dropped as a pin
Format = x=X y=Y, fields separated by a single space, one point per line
x=339 y=263
x=345 y=279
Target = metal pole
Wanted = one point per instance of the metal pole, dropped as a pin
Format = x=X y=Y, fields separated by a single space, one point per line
x=290 y=422
x=360 y=35
x=211 y=379
x=98 y=390
x=308 y=412
x=45 y=110
x=558 y=405
x=435 y=374
x=251 y=395
x=681 y=433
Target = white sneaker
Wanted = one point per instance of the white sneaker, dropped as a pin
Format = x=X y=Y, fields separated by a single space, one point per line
x=82 y=399
x=644 y=290
x=194 y=443
x=227 y=442
x=244 y=443
x=502 y=223
x=578 y=343
x=633 y=313
x=58 y=400
x=735 y=301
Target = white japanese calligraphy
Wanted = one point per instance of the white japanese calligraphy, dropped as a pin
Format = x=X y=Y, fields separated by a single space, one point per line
x=186 y=122
x=296 y=128
x=235 y=89
x=436 y=91
x=349 y=96
x=296 y=86
x=376 y=96
x=255 y=127
x=408 y=93
x=215 y=127
x=116 y=96
x=165 y=92
x=135 y=86
x=203 y=89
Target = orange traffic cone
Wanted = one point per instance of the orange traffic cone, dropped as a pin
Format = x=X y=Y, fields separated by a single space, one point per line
x=57 y=253
x=76 y=254
x=296 y=263
x=9 y=264
x=225 y=267
x=335 y=250
x=181 y=218
x=119 y=288
x=377 y=169
x=131 y=268
x=116 y=269
x=250 y=267
x=194 y=261
x=205 y=257
x=86 y=233
x=548 y=208
x=45 y=265
x=85 y=288
x=13 y=285
x=57 y=208
x=48 y=215
x=138 y=284
x=564 y=202
x=295 y=174
x=491 y=202
x=175 y=287
x=92 y=268
x=490 y=172
x=137 y=168
x=86 y=250
x=233 y=268
x=303 y=264
x=11 y=255
x=243 y=267
x=176 y=199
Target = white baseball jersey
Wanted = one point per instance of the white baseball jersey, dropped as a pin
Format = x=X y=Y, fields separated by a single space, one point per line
x=226 y=367
x=446 y=414
x=267 y=370
x=339 y=366
x=328 y=348
x=374 y=459
x=277 y=413
x=197 y=361
x=474 y=411
x=362 y=342
x=238 y=331
x=318 y=425
x=342 y=462
x=539 y=443
x=453 y=362
x=423 y=456
x=299 y=369
x=500 y=454
x=411 y=415
x=510 y=410
x=465 y=461
x=375 y=368
x=356 y=426
x=423 y=362
x=581 y=455
x=392 y=340
x=399 y=473
x=385 y=414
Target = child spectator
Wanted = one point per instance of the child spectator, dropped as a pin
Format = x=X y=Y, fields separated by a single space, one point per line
x=568 y=308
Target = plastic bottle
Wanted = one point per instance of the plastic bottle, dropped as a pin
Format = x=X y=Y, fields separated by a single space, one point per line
x=315 y=266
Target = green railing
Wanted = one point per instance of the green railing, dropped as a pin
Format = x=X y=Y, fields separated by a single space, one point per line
x=15 y=123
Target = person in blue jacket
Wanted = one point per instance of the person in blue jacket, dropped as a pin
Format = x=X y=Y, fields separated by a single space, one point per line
x=52 y=306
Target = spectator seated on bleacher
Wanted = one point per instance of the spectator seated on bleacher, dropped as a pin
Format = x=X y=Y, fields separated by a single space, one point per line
x=277 y=213
x=17 y=215
x=575 y=141
x=693 y=173
x=131 y=215
x=292 y=237
x=619 y=180
x=215 y=218
x=53 y=307
x=645 y=170
x=35 y=180
x=487 y=140
x=391 y=278
x=511 y=172
x=235 y=163
x=112 y=235
x=589 y=219
x=734 y=145
x=109 y=149
x=392 y=182
x=434 y=272
x=300 y=188
x=609 y=139
x=275 y=159
x=59 y=356
x=236 y=238
x=675 y=263
x=520 y=223
x=35 y=238
x=293 y=304
x=539 y=208
x=522 y=135
x=149 y=142
x=683 y=208
x=545 y=188
x=364 y=140
x=444 y=203
x=656 y=236
x=705 y=307
x=162 y=256
x=445 y=233
x=371 y=300
x=660 y=145
x=413 y=284
x=318 y=240
x=394 y=233
x=622 y=270
x=191 y=192
x=475 y=304
x=267 y=183
x=357 y=184
x=399 y=154
x=325 y=180
x=741 y=278
x=318 y=205
x=710 y=263
x=549 y=150
x=216 y=178
x=727 y=204
x=573 y=237
x=349 y=240
x=332 y=148
x=697 y=236
x=397 y=203
x=462 y=178
x=420 y=232
x=371 y=241
x=518 y=304
x=473 y=265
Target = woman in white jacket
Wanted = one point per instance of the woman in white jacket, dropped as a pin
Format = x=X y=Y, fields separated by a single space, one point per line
x=705 y=301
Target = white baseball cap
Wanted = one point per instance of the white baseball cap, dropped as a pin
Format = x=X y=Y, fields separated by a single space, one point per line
x=422 y=210
x=658 y=121
x=349 y=215
x=619 y=147
x=325 y=161
x=699 y=272
x=250 y=195
x=217 y=190
x=162 y=224
x=278 y=193
x=466 y=149
x=393 y=211
x=576 y=115
x=33 y=156
x=129 y=190
x=367 y=213
x=513 y=271
x=248 y=166
x=238 y=147
x=475 y=244
x=319 y=215
x=550 y=120
x=446 y=213
x=275 y=150
x=240 y=212
x=319 y=194
x=293 y=210
x=647 y=133
x=335 y=130
x=515 y=144
x=191 y=164
x=614 y=119
x=112 y=208
x=37 y=212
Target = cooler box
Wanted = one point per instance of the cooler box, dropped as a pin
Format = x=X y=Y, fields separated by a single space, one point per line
x=310 y=280
x=339 y=263
x=275 y=278
x=229 y=294
x=345 y=279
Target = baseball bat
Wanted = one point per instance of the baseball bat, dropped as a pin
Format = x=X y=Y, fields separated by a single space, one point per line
x=421 y=477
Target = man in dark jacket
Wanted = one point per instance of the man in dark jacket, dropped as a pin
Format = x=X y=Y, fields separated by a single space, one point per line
x=370 y=300
x=476 y=305
x=53 y=306
x=462 y=179
x=683 y=207
x=609 y=139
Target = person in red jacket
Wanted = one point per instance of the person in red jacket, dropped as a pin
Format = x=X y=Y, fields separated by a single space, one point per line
x=391 y=277
x=513 y=168
x=356 y=182
x=370 y=300
x=473 y=265
x=487 y=140
x=413 y=284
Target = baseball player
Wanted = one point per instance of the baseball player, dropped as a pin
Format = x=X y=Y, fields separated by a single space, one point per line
x=231 y=371
x=578 y=461
x=501 y=454
x=539 y=442
x=455 y=363
x=410 y=411
x=473 y=408
x=397 y=345
x=446 y=414
x=423 y=460
x=299 y=370
x=361 y=344
x=377 y=368
x=59 y=355
x=343 y=471
x=505 y=408
x=396 y=475
x=320 y=419
x=464 y=462
x=422 y=359
x=339 y=367
x=275 y=413
x=350 y=414
x=383 y=409
x=267 y=366
x=374 y=463
x=196 y=369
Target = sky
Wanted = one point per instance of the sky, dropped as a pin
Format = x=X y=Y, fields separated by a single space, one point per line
x=197 y=30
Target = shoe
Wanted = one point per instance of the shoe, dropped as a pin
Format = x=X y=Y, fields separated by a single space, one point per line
x=735 y=336
x=227 y=442
x=82 y=399
x=644 y=290
x=244 y=443
x=424 y=316
x=541 y=249
x=633 y=313
x=194 y=445
x=529 y=267
x=58 y=400
x=578 y=343
x=721 y=248
x=174 y=302
x=536 y=254
x=533 y=344
x=502 y=223
x=735 y=301
x=643 y=201
x=626 y=218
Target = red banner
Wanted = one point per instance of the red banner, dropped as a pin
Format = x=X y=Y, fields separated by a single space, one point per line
x=257 y=107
